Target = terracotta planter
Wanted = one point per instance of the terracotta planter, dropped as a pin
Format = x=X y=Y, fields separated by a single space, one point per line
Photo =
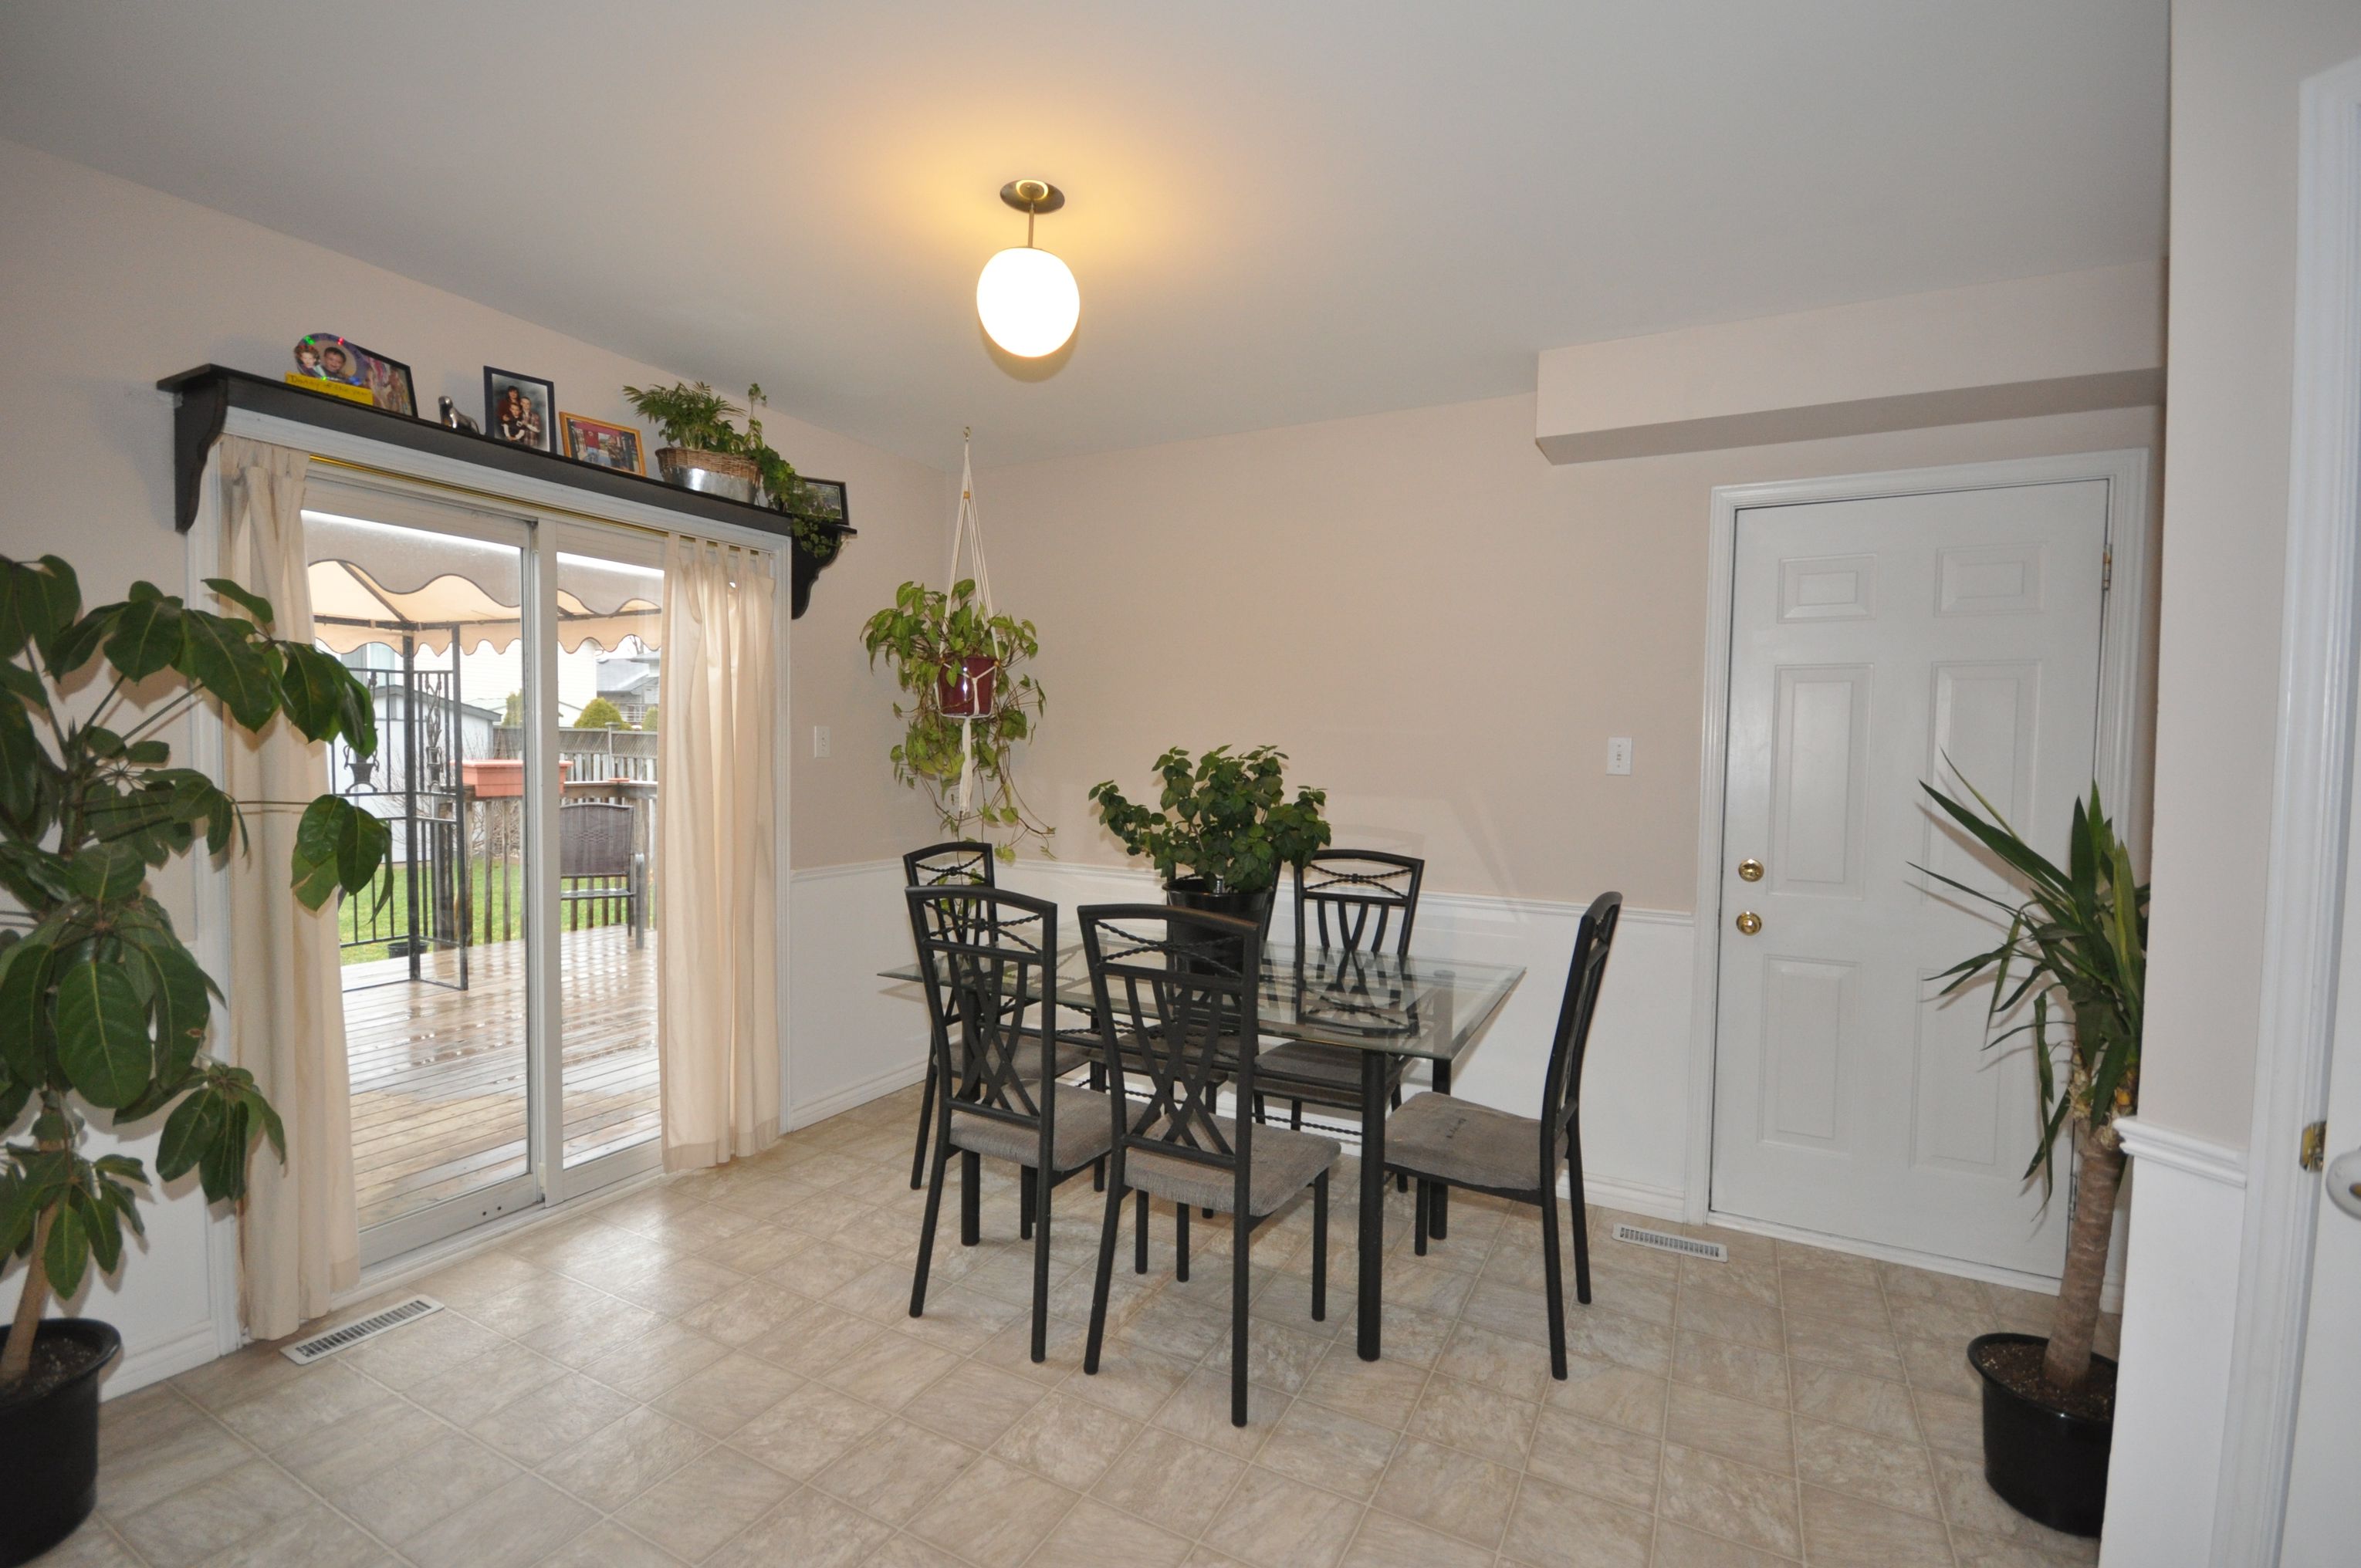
x=974 y=693
x=49 y=1448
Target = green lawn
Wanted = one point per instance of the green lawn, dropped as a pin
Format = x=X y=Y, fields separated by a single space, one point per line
x=354 y=919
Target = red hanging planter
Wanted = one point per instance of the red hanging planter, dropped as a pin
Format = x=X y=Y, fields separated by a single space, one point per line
x=972 y=693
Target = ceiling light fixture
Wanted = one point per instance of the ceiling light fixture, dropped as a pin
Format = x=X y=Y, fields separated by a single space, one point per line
x=1027 y=297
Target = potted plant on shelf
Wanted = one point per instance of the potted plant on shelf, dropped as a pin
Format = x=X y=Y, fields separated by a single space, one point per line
x=970 y=705
x=705 y=450
x=1225 y=818
x=101 y=1006
x=2078 y=944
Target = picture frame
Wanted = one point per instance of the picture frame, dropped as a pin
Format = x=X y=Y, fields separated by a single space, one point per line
x=326 y=362
x=520 y=410
x=603 y=443
x=821 y=500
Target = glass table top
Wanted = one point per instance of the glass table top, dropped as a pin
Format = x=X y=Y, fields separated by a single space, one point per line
x=1417 y=1005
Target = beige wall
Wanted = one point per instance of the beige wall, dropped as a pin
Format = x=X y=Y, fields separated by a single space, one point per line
x=108 y=286
x=2235 y=70
x=1440 y=628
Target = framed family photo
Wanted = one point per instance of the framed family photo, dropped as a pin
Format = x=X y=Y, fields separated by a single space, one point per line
x=339 y=365
x=606 y=444
x=521 y=409
x=822 y=501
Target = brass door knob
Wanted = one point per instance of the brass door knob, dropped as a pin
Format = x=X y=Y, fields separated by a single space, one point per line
x=1750 y=869
x=1749 y=923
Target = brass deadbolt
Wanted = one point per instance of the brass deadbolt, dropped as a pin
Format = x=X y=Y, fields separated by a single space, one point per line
x=1750 y=869
x=1749 y=923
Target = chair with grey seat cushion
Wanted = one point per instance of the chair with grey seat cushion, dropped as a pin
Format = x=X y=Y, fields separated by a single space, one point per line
x=988 y=962
x=1176 y=996
x=1437 y=1138
x=960 y=862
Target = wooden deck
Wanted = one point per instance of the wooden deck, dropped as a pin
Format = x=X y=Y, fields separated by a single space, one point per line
x=438 y=1074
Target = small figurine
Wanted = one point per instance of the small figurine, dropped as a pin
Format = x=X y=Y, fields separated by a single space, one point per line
x=457 y=420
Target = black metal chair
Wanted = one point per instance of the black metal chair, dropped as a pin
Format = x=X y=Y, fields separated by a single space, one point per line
x=1437 y=1138
x=989 y=962
x=598 y=866
x=1177 y=994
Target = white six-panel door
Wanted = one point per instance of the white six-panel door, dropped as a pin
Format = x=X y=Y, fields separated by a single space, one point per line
x=1871 y=638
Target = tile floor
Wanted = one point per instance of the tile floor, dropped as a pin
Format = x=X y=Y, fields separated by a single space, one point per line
x=721 y=1369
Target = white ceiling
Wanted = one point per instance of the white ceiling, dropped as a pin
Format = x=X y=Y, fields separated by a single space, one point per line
x=1278 y=213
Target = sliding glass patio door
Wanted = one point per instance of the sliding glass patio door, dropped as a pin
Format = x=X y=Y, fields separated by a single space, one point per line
x=499 y=980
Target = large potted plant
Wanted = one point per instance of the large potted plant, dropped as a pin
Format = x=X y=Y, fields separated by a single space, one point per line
x=1221 y=829
x=102 y=1008
x=705 y=450
x=2076 y=948
x=970 y=705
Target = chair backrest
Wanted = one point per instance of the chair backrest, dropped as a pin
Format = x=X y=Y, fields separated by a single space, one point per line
x=594 y=838
x=1562 y=1086
x=1356 y=897
x=1177 y=994
x=988 y=961
x=955 y=862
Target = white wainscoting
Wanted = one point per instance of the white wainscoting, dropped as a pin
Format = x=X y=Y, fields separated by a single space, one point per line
x=854 y=1036
x=2182 y=1302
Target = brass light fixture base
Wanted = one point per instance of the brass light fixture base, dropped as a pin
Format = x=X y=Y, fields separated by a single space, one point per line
x=1032 y=196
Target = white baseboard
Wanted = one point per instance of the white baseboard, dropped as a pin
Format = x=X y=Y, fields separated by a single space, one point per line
x=2109 y=1299
x=861 y=1093
x=166 y=1358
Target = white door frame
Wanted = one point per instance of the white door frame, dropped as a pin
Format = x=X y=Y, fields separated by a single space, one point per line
x=2311 y=808
x=2124 y=701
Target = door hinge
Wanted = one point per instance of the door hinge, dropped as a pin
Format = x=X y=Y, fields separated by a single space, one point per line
x=2107 y=569
x=2315 y=1146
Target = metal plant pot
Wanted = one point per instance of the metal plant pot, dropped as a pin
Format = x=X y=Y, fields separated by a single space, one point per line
x=49 y=1447
x=725 y=474
x=2047 y=1465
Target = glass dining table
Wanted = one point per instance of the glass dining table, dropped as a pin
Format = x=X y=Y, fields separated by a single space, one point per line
x=1384 y=1006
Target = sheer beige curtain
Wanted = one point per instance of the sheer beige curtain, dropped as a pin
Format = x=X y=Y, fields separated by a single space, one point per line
x=299 y=1237
x=717 y=867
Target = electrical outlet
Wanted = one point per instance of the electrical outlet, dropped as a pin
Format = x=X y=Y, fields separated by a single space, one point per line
x=1619 y=754
x=820 y=739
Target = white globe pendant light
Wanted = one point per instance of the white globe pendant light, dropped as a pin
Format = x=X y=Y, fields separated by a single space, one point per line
x=1027 y=297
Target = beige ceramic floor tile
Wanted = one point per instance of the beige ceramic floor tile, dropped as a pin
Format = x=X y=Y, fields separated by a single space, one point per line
x=1385 y=1541
x=1381 y=1392
x=906 y=1551
x=615 y=1464
x=1067 y=1439
x=518 y=1523
x=666 y=1355
x=1168 y=1480
x=1445 y=1489
x=994 y=1515
x=705 y=1502
x=890 y=1370
x=815 y=1341
x=720 y=1398
x=1610 y=1392
x=1841 y=1531
x=972 y=1403
x=289 y=1411
x=1274 y=1521
x=1871 y=1404
x=192 y=1524
x=895 y=1471
x=475 y=1388
x=1555 y=1526
x=92 y=1546
x=551 y=1419
x=809 y=1529
x=1328 y=1448
x=1604 y=1461
x=406 y=1496
x=1478 y=1420
x=416 y=1351
x=1749 y=1434
x=1872 y=1353
x=1970 y=1503
x=805 y=1432
x=1951 y=1422
x=315 y=1535
x=1726 y=1498
x=1866 y=1465
x=608 y=1545
x=1130 y=1379
x=1094 y=1536
x=1200 y=1410
x=1726 y=1366
x=1731 y=1317
x=1678 y=1546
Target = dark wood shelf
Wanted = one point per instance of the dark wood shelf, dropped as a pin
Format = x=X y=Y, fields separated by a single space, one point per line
x=206 y=395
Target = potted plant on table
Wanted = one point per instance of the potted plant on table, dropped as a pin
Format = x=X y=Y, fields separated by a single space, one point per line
x=970 y=705
x=102 y=1008
x=1225 y=817
x=2076 y=945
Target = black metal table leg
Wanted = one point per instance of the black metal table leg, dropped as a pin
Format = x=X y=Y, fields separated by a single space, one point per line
x=1373 y=1199
x=1438 y=1200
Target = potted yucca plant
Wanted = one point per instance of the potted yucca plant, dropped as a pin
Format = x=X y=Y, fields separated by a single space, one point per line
x=102 y=1008
x=2076 y=948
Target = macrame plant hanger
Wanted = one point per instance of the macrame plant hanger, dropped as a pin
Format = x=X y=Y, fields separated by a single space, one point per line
x=967 y=533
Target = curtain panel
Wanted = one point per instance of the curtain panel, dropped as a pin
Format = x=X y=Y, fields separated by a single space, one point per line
x=717 y=877
x=299 y=1236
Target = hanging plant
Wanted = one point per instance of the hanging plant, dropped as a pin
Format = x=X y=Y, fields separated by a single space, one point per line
x=969 y=703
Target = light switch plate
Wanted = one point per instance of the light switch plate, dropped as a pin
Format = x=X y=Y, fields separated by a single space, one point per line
x=1619 y=754
x=820 y=739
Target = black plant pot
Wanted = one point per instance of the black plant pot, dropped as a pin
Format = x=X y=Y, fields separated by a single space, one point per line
x=2047 y=1465
x=1193 y=893
x=49 y=1448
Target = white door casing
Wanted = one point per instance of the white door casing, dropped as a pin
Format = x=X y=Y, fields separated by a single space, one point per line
x=1865 y=627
